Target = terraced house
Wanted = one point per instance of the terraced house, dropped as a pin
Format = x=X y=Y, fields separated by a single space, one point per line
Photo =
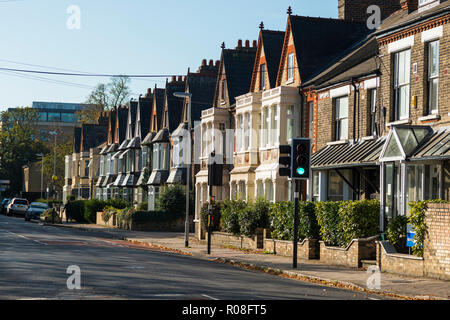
x=234 y=76
x=414 y=103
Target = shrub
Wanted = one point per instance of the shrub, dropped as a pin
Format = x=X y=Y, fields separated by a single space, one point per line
x=359 y=219
x=396 y=232
x=117 y=203
x=75 y=211
x=108 y=212
x=91 y=207
x=254 y=216
x=216 y=215
x=417 y=220
x=172 y=200
x=282 y=220
x=143 y=206
x=328 y=219
x=230 y=215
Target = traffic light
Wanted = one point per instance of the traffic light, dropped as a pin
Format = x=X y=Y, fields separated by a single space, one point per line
x=215 y=171
x=285 y=161
x=300 y=158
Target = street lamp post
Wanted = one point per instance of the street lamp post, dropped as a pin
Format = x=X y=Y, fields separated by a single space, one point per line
x=54 y=178
x=42 y=174
x=188 y=96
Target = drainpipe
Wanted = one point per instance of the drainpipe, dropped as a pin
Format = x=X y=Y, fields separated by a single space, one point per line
x=354 y=109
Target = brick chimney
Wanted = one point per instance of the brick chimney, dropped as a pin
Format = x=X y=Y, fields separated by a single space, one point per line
x=356 y=10
x=409 y=5
x=239 y=45
x=255 y=43
x=247 y=43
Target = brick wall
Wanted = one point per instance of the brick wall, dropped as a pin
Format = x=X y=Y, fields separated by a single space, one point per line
x=357 y=250
x=357 y=9
x=418 y=81
x=307 y=249
x=437 y=243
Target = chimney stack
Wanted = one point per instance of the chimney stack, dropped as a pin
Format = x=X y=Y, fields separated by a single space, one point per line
x=356 y=10
x=239 y=43
x=180 y=78
x=211 y=63
x=255 y=43
x=174 y=78
x=247 y=43
x=217 y=63
x=204 y=63
x=409 y=5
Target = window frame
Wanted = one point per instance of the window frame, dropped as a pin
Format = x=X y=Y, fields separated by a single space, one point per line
x=433 y=77
x=339 y=120
x=290 y=67
x=397 y=86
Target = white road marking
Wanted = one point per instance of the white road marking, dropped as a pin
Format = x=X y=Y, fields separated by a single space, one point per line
x=209 y=297
x=21 y=236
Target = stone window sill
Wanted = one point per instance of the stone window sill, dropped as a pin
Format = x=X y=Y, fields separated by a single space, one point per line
x=430 y=117
x=337 y=142
x=399 y=122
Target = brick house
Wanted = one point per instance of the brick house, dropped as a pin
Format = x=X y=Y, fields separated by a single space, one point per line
x=414 y=109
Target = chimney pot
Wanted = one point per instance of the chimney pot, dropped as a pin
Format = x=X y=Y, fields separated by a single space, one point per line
x=174 y=78
x=247 y=43
x=211 y=63
x=239 y=43
x=204 y=62
x=255 y=43
x=180 y=78
x=217 y=63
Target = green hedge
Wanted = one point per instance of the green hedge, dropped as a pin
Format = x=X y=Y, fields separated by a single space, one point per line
x=85 y=211
x=282 y=220
x=75 y=211
x=396 y=233
x=230 y=211
x=254 y=216
x=173 y=200
x=328 y=219
x=341 y=222
x=126 y=217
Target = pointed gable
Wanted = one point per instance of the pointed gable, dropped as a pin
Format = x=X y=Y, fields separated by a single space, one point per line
x=270 y=46
x=145 y=113
x=235 y=74
x=315 y=43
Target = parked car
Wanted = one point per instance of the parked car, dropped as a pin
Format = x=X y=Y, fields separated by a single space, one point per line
x=35 y=210
x=4 y=204
x=17 y=206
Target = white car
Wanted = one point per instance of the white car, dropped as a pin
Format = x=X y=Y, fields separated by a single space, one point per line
x=17 y=206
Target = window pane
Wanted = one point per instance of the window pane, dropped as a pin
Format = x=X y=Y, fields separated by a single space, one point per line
x=290 y=123
x=434 y=88
x=335 y=187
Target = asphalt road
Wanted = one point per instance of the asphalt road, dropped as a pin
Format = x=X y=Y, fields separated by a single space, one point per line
x=34 y=261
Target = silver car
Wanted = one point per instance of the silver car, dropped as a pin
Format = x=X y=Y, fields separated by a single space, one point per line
x=17 y=206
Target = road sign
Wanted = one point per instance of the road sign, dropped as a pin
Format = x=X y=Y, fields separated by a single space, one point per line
x=410 y=233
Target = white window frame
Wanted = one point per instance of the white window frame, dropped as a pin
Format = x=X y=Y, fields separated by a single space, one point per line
x=290 y=69
x=433 y=77
x=398 y=87
x=338 y=120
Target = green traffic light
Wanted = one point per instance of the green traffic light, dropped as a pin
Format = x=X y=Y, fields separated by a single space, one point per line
x=301 y=171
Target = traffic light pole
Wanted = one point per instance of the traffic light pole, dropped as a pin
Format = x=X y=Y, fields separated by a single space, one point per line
x=209 y=219
x=297 y=191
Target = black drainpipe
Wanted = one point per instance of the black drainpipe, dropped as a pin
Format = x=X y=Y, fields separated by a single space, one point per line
x=354 y=109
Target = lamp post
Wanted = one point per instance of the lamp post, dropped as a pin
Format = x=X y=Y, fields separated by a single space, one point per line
x=54 y=178
x=42 y=174
x=188 y=96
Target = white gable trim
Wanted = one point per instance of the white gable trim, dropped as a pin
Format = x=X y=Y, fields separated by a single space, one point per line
x=401 y=44
x=432 y=34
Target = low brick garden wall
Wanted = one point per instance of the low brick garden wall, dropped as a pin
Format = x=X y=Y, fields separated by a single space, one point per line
x=307 y=249
x=111 y=223
x=388 y=260
x=241 y=242
x=351 y=256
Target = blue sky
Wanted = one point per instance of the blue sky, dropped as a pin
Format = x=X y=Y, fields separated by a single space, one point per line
x=126 y=37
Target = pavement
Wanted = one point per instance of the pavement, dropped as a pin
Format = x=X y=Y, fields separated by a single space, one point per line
x=391 y=285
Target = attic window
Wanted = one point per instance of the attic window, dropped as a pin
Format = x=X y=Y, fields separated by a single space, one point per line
x=262 y=85
x=427 y=4
x=223 y=90
x=290 y=71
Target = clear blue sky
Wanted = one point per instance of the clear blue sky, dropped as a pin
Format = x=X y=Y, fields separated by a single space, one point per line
x=126 y=37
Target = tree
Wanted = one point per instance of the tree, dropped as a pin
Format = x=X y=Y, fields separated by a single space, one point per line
x=62 y=149
x=18 y=145
x=105 y=97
